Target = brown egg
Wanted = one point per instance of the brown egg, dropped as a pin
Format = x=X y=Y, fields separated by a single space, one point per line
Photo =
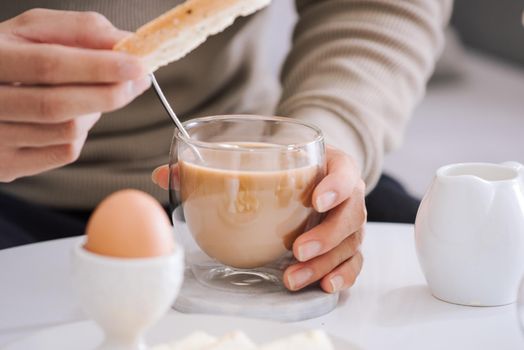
x=130 y=224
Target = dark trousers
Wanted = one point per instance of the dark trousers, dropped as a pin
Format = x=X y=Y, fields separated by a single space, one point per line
x=23 y=222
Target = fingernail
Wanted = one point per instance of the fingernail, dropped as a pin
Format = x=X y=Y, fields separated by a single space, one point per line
x=309 y=250
x=141 y=85
x=300 y=278
x=326 y=201
x=154 y=175
x=337 y=283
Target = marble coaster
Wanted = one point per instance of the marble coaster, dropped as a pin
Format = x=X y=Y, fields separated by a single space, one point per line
x=283 y=305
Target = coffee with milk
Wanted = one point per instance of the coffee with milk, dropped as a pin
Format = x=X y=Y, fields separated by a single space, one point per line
x=245 y=209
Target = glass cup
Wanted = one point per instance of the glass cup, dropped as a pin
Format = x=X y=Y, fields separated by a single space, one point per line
x=241 y=189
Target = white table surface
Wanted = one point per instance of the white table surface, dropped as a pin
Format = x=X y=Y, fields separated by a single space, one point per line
x=390 y=307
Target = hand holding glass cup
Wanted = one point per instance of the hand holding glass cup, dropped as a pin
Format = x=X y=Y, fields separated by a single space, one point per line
x=243 y=186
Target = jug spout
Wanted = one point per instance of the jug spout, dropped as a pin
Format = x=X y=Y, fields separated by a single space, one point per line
x=482 y=173
x=517 y=166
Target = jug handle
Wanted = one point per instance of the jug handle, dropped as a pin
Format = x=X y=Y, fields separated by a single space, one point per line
x=515 y=165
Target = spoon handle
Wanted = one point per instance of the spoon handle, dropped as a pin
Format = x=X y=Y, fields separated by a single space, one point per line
x=167 y=107
x=172 y=114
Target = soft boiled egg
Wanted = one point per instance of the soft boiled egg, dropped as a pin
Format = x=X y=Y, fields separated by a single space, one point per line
x=130 y=224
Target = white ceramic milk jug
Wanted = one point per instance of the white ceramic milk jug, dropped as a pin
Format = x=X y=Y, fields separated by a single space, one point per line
x=469 y=233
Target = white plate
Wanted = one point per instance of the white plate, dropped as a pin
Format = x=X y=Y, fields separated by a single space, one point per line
x=86 y=335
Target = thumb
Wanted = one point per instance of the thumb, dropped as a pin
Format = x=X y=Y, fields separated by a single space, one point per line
x=78 y=29
x=339 y=183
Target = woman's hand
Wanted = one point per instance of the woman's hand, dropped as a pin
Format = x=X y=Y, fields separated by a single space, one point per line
x=330 y=252
x=57 y=74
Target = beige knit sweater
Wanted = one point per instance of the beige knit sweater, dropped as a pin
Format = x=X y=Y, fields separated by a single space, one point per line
x=356 y=69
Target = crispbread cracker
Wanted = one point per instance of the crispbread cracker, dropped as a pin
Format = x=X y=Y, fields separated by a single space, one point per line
x=176 y=33
x=233 y=341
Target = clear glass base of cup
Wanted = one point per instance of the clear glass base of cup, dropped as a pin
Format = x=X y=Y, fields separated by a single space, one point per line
x=261 y=280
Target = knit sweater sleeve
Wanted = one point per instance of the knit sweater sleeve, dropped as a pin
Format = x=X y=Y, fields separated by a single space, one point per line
x=357 y=68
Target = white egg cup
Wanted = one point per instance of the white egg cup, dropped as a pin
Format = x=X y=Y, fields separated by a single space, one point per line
x=125 y=297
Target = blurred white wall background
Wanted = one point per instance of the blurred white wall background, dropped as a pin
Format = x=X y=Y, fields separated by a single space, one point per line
x=473 y=111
